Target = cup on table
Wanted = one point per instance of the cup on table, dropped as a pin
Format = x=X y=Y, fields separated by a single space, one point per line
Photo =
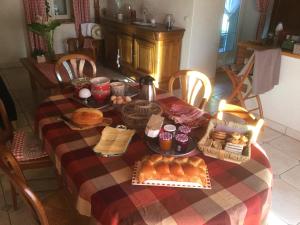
x=100 y=88
x=118 y=88
x=120 y=16
x=80 y=83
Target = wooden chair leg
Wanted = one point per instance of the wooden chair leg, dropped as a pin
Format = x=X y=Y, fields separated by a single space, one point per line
x=14 y=197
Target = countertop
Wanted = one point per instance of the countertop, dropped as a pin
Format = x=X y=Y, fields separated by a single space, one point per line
x=157 y=28
x=261 y=46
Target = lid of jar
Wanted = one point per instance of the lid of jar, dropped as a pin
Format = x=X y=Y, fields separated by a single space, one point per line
x=170 y=128
x=181 y=138
x=184 y=129
x=165 y=136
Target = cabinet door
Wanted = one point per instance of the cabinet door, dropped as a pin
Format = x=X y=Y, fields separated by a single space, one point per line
x=144 y=57
x=125 y=46
x=111 y=49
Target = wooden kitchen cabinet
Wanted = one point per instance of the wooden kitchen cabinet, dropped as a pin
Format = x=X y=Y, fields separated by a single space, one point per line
x=142 y=50
x=144 y=57
x=125 y=47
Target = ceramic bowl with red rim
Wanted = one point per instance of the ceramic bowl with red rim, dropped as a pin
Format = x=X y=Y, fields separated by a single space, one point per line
x=100 y=88
x=80 y=83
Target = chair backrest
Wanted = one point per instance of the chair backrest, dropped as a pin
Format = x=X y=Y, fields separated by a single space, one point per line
x=6 y=132
x=193 y=84
x=11 y=169
x=73 y=65
x=254 y=124
x=248 y=66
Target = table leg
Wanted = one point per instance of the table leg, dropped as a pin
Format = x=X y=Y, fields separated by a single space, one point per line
x=33 y=84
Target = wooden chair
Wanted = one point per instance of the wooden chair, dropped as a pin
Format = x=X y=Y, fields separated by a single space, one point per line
x=193 y=84
x=28 y=157
x=76 y=46
x=242 y=113
x=73 y=65
x=242 y=86
x=55 y=209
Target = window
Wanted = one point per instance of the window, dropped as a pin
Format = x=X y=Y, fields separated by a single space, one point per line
x=229 y=26
x=60 y=9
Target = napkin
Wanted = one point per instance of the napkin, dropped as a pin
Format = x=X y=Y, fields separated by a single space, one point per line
x=114 y=141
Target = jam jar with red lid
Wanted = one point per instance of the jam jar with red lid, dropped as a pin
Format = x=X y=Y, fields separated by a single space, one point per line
x=182 y=142
x=165 y=141
x=184 y=129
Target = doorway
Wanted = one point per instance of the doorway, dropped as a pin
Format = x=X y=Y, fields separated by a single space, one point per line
x=229 y=32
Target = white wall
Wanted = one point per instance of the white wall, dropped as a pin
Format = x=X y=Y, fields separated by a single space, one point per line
x=277 y=103
x=249 y=17
x=12 y=32
x=205 y=36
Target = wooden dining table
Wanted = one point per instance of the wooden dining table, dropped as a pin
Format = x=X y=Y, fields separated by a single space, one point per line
x=102 y=189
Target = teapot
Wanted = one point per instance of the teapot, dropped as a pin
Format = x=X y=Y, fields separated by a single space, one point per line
x=147 y=88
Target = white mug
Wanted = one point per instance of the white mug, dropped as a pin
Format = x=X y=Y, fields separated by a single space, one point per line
x=120 y=16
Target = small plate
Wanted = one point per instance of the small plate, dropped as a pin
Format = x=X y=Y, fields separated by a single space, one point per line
x=153 y=144
x=92 y=103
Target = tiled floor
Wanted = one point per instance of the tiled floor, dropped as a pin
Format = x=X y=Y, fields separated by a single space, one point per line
x=283 y=151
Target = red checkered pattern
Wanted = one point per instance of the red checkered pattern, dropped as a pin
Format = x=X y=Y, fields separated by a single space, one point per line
x=240 y=194
x=24 y=150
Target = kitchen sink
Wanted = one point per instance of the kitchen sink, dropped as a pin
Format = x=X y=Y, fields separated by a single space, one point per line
x=142 y=23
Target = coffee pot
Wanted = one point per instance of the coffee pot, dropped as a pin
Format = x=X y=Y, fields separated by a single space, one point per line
x=147 y=88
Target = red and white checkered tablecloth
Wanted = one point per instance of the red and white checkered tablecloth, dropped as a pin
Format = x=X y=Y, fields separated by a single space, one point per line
x=102 y=187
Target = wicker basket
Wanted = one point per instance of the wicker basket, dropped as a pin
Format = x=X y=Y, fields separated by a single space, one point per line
x=210 y=151
x=137 y=113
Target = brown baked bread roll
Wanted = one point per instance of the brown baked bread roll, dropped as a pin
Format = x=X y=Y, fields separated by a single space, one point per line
x=87 y=116
x=168 y=168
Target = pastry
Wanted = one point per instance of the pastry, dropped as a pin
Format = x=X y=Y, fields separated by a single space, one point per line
x=220 y=135
x=87 y=116
x=236 y=135
x=169 y=168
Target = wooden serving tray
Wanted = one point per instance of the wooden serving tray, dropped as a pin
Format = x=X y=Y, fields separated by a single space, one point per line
x=67 y=120
x=164 y=183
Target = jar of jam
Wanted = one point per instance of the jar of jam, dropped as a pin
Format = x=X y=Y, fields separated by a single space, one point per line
x=182 y=142
x=165 y=141
x=184 y=129
x=170 y=128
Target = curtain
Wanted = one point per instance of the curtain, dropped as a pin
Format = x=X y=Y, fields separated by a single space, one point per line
x=262 y=7
x=231 y=6
x=81 y=13
x=34 y=9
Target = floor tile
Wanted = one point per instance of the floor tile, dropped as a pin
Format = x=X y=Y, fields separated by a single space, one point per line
x=21 y=120
x=292 y=177
x=4 y=218
x=286 y=202
x=280 y=162
x=268 y=134
x=288 y=146
x=22 y=215
x=273 y=219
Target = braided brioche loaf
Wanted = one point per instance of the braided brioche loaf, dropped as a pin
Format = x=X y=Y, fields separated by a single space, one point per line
x=169 y=168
